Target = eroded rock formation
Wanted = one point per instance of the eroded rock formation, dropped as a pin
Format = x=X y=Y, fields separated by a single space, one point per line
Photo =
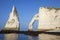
x=48 y=18
x=13 y=21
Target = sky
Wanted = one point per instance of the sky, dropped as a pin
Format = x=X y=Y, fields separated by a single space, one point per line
x=26 y=10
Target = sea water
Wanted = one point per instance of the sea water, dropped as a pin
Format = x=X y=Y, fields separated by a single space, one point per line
x=13 y=36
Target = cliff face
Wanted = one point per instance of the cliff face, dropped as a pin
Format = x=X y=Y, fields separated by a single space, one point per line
x=48 y=18
x=13 y=21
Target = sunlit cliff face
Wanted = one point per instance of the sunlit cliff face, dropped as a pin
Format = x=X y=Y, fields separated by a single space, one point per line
x=48 y=18
x=13 y=21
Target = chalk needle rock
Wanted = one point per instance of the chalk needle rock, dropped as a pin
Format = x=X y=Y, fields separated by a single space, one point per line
x=13 y=21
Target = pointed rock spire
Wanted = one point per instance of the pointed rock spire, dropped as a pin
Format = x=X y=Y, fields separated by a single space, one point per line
x=13 y=21
x=14 y=9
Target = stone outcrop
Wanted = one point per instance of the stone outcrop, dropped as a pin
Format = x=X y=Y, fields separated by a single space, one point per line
x=13 y=21
x=48 y=18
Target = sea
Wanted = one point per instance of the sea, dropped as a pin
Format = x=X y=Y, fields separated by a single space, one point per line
x=14 y=36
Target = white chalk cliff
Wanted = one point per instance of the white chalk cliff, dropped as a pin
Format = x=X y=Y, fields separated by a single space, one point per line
x=13 y=21
x=48 y=18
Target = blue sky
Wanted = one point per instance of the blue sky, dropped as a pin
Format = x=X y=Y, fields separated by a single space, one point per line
x=26 y=10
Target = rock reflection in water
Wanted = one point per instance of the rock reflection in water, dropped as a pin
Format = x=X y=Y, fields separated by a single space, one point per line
x=30 y=37
x=48 y=37
x=33 y=37
x=11 y=36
